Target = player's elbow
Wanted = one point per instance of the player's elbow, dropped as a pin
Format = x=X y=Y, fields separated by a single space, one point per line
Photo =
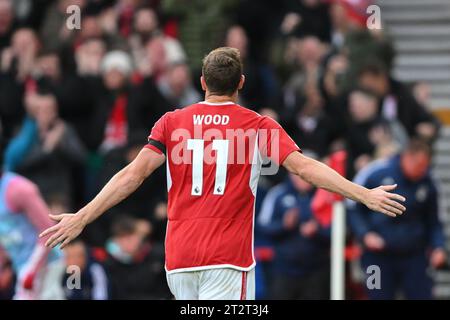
x=305 y=167
x=131 y=177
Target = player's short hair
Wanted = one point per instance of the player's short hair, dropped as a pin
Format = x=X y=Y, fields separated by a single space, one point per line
x=222 y=70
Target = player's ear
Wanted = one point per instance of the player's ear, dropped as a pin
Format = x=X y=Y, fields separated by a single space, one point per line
x=203 y=83
x=241 y=82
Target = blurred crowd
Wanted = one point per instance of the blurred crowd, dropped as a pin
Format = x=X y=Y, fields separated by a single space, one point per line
x=77 y=105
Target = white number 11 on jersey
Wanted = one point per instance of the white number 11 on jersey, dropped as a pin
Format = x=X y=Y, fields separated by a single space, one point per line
x=198 y=146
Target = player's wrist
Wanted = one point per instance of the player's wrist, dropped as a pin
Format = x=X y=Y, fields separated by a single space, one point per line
x=363 y=195
x=83 y=215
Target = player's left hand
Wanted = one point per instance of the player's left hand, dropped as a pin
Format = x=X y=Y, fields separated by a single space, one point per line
x=381 y=200
x=67 y=229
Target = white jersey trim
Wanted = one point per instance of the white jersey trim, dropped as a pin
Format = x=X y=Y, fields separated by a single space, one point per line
x=168 y=176
x=216 y=266
x=218 y=103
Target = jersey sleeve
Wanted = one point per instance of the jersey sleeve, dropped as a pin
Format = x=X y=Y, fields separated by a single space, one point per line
x=275 y=143
x=157 y=137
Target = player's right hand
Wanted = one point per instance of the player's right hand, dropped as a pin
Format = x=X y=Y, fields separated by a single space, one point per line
x=380 y=200
x=67 y=229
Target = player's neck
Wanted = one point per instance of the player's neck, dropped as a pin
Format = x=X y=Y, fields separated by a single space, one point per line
x=211 y=98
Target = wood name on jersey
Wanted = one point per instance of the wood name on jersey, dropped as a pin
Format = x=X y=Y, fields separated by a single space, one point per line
x=216 y=119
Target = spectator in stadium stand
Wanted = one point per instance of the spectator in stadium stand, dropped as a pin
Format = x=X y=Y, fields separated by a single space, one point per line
x=46 y=149
x=17 y=63
x=7 y=23
x=75 y=91
x=398 y=105
x=134 y=265
x=98 y=21
x=347 y=16
x=422 y=93
x=307 y=17
x=308 y=123
x=93 y=281
x=261 y=87
x=7 y=276
x=157 y=59
x=54 y=29
x=335 y=67
x=308 y=55
x=301 y=261
x=194 y=18
x=145 y=51
x=363 y=130
x=145 y=26
x=176 y=86
x=109 y=124
x=125 y=12
x=402 y=248
x=23 y=214
x=146 y=101
x=304 y=113
x=263 y=246
x=351 y=41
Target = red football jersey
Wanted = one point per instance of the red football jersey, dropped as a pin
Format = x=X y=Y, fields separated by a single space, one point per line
x=214 y=155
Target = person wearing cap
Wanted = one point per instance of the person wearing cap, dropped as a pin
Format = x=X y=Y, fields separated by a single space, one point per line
x=109 y=125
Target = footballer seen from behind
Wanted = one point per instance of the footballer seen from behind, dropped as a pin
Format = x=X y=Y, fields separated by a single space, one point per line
x=214 y=151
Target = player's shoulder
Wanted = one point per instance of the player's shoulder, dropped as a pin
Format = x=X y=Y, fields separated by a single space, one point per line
x=260 y=121
x=248 y=111
x=263 y=120
x=171 y=114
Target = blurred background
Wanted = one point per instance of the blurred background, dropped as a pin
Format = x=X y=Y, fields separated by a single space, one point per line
x=77 y=105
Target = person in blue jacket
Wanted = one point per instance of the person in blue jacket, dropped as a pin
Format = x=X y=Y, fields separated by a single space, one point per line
x=300 y=268
x=403 y=248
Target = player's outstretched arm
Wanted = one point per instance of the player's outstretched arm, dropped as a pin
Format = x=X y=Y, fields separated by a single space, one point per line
x=377 y=199
x=124 y=183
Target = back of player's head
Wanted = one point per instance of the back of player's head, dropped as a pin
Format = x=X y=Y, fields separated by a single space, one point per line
x=222 y=70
